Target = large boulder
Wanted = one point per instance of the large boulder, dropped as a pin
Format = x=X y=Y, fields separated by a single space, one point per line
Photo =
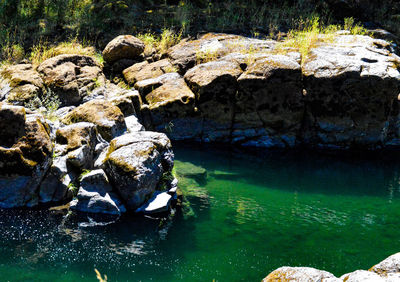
x=351 y=86
x=107 y=117
x=135 y=164
x=95 y=195
x=123 y=47
x=300 y=274
x=362 y=275
x=71 y=77
x=25 y=156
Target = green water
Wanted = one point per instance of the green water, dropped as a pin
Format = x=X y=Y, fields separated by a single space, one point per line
x=250 y=215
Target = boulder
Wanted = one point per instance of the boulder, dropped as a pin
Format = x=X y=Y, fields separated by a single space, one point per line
x=362 y=275
x=55 y=187
x=350 y=86
x=25 y=156
x=123 y=47
x=300 y=274
x=387 y=266
x=71 y=77
x=133 y=125
x=159 y=203
x=24 y=81
x=145 y=70
x=78 y=143
x=108 y=118
x=128 y=103
x=95 y=195
x=135 y=164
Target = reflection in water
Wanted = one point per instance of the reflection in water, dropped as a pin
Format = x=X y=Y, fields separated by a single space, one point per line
x=250 y=215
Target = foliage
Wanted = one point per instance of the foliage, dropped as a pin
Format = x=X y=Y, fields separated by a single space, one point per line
x=48 y=103
x=314 y=32
x=161 y=43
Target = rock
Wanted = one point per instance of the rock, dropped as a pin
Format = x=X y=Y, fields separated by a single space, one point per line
x=351 y=86
x=300 y=274
x=123 y=47
x=135 y=164
x=133 y=125
x=127 y=102
x=144 y=70
x=25 y=156
x=159 y=203
x=55 y=187
x=107 y=117
x=361 y=275
x=71 y=77
x=212 y=46
x=95 y=195
x=24 y=83
x=387 y=266
x=172 y=110
x=269 y=107
x=215 y=85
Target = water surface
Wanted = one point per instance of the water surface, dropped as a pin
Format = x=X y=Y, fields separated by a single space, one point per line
x=250 y=215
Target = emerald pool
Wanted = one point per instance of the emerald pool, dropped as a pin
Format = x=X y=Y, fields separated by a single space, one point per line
x=249 y=214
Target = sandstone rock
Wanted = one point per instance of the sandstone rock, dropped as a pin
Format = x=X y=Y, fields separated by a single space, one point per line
x=95 y=195
x=71 y=77
x=351 y=85
x=123 y=47
x=387 y=266
x=144 y=70
x=107 y=117
x=362 y=275
x=25 y=156
x=300 y=274
x=135 y=164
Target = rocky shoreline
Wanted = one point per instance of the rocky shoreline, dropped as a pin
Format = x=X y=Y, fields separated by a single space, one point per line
x=386 y=270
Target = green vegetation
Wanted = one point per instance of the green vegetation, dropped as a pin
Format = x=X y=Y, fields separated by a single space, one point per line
x=26 y=25
x=48 y=103
x=313 y=32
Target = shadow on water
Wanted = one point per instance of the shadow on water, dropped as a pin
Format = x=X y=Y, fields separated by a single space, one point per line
x=292 y=171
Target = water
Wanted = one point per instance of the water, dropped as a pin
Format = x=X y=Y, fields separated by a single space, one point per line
x=250 y=215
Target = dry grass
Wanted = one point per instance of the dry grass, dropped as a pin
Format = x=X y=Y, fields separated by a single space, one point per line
x=44 y=51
